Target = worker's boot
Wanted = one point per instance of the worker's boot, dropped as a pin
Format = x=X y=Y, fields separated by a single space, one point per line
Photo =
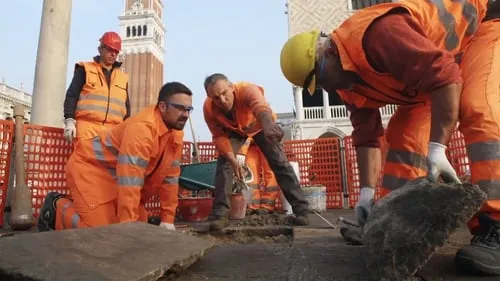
x=250 y=212
x=482 y=256
x=219 y=223
x=301 y=219
x=352 y=235
x=47 y=218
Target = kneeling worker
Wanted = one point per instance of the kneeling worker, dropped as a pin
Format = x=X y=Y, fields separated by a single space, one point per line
x=234 y=112
x=112 y=175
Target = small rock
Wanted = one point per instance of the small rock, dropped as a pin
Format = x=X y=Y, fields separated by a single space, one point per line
x=407 y=227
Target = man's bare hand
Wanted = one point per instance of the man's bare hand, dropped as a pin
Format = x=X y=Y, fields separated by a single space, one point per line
x=238 y=171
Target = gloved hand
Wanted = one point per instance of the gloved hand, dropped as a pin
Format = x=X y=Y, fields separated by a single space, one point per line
x=240 y=159
x=169 y=226
x=364 y=205
x=69 y=129
x=438 y=164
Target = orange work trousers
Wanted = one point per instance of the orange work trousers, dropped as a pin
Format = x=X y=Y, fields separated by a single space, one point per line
x=408 y=130
x=88 y=129
x=93 y=191
x=257 y=163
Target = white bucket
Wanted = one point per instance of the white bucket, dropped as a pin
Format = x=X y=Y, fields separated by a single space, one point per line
x=316 y=196
x=286 y=206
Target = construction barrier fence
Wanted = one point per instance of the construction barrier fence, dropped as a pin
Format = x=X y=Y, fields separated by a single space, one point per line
x=330 y=162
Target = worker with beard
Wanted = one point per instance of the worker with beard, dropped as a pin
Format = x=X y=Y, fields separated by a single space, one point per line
x=112 y=175
x=97 y=97
x=437 y=60
x=233 y=113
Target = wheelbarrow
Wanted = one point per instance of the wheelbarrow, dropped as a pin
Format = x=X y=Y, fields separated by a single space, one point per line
x=197 y=178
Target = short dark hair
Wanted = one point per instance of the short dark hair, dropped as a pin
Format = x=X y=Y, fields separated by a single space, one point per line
x=214 y=78
x=172 y=88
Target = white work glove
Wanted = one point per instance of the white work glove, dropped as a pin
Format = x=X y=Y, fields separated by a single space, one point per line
x=169 y=226
x=69 y=129
x=438 y=164
x=364 y=205
x=240 y=159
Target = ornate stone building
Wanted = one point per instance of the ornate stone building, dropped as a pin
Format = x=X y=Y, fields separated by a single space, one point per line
x=323 y=114
x=143 y=50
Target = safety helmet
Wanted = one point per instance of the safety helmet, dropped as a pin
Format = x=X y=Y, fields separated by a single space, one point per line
x=111 y=40
x=298 y=56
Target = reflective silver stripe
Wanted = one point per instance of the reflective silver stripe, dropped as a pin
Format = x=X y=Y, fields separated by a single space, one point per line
x=100 y=108
x=176 y=163
x=102 y=97
x=392 y=182
x=267 y=202
x=171 y=180
x=75 y=219
x=133 y=160
x=97 y=147
x=130 y=181
x=490 y=187
x=255 y=202
x=407 y=158
x=484 y=151
x=468 y=12
x=272 y=188
x=109 y=145
x=64 y=208
x=99 y=152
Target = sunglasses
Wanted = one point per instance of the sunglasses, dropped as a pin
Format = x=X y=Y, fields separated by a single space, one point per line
x=181 y=107
x=310 y=76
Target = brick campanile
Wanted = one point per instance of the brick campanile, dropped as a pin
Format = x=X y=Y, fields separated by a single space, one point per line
x=143 y=35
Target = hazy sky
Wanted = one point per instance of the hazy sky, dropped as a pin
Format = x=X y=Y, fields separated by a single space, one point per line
x=240 y=38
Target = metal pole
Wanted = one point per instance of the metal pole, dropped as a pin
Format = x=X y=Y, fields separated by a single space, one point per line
x=196 y=154
x=22 y=214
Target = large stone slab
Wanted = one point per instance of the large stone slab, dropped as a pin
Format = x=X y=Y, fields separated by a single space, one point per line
x=409 y=225
x=125 y=252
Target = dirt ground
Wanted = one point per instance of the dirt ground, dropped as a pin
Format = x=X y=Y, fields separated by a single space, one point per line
x=313 y=253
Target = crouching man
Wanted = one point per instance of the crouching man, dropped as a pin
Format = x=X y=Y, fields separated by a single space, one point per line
x=233 y=113
x=112 y=175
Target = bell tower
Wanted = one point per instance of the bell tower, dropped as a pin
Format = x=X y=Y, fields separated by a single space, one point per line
x=143 y=35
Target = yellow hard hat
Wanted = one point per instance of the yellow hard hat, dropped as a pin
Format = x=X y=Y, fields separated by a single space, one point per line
x=298 y=56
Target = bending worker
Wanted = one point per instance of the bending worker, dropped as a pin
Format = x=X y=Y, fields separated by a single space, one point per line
x=234 y=112
x=112 y=175
x=97 y=97
x=362 y=61
x=263 y=201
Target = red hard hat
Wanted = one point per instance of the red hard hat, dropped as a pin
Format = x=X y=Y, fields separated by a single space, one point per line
x=111 y=40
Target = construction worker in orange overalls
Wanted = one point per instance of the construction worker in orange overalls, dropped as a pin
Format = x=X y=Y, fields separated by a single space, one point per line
x=97 y=97
x=414 y=54
x=233 y=113
x=263 y=199
x=112 y=175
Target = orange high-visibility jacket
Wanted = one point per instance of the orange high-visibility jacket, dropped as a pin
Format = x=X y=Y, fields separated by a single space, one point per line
x=142 y=154
x=449 y=24
x=98 y=102
x=249 y=102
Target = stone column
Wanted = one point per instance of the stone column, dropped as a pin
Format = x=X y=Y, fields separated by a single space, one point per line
x=299 y=107
x=326 y=105
x=51 y=64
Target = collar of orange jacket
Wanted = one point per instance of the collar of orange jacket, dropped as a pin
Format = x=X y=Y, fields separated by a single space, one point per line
x=163 y=129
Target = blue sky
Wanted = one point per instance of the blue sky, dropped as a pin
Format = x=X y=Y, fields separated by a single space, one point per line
x=242 y=39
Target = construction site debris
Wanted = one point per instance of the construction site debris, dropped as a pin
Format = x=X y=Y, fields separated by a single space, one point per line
x=405 y=228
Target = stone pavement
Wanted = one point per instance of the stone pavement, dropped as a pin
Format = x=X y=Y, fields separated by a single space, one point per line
x=316 y=253
x=128 y=252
